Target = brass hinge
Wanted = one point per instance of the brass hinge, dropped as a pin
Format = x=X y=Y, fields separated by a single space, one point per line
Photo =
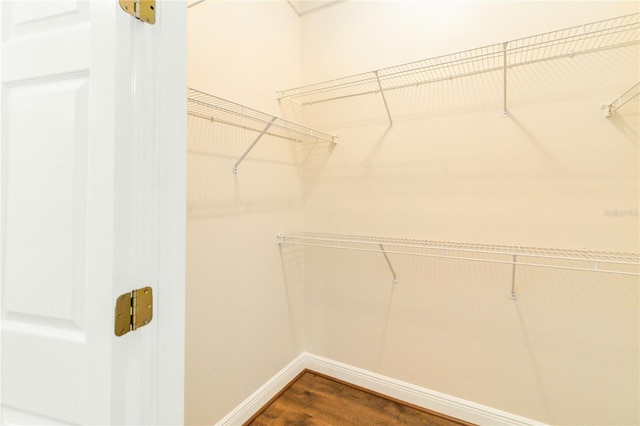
x=144 y=10
x=133 y=310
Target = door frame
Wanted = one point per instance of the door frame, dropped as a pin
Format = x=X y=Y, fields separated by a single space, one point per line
x=172 y=205
x=163 y=341
x=152 y=61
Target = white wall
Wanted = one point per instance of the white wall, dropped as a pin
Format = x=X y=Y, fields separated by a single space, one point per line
x=453 y=169
x=243 y=320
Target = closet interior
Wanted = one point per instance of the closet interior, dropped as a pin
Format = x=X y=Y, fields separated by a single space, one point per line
x=473 y=234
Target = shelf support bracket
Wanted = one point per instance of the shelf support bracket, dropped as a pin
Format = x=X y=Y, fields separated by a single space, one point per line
x=384 y=99
x=386 y=257
x=633 y=92
x=505 y=113
x=513 y=278
x=235 y=167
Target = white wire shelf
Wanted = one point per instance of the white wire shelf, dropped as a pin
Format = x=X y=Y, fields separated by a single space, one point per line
x=632 y=93
x=600 y=35
x=210 y=107
x=577 y=260
x=221 y=110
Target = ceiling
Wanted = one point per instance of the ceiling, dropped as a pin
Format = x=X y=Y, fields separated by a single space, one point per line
x=301 y=7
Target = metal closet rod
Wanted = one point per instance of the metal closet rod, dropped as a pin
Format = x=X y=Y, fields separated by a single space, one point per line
x=595 y=36
x=514 y=253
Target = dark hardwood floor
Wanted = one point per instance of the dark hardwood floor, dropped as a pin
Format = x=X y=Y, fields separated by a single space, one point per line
x=315 y=399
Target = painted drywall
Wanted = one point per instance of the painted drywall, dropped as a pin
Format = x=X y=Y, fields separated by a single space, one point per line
x=243 y=322
x=453 y=169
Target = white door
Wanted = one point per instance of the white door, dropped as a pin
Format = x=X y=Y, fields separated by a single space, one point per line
x=92 y=173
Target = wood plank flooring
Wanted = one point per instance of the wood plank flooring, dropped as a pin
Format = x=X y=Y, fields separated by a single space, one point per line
x=316 y=400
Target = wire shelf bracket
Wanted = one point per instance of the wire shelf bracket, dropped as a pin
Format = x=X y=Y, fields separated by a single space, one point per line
x=568 y=42
x=602 y=262
x=235 y=166
x=384 y=99
x=632 y=93
x=213 y=108
x=386 y=257
x=513 y=278
x=505 y=113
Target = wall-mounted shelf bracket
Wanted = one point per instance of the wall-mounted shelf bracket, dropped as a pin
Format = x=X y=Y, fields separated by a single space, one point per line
x=384 y=99
x=626 y=97
x=505 y=113
x=235 y=166
x=386 y=257
x=513 y=278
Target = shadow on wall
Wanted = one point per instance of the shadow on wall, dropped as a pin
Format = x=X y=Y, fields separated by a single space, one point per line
x=625 y=120
x=453 y=167
x=314 y=153
x=537 y=143
x=292 y=261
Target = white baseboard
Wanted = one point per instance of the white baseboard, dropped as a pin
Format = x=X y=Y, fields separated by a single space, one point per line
x=259 y=398
x=422 y=397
